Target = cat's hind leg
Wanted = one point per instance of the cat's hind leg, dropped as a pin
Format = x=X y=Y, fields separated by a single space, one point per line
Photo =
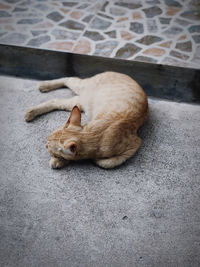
x=112 y=162
x=75 y=84
x=54 y=104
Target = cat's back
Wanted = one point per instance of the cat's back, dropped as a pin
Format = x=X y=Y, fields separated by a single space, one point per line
x=114 y=92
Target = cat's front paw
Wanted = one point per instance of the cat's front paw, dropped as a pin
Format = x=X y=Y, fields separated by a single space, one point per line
x=30 y=114
x=56 y=163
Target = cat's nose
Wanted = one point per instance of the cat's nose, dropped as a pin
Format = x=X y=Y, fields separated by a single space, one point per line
x=47 y=145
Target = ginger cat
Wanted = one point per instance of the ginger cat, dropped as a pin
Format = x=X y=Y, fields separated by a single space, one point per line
x=116 y=107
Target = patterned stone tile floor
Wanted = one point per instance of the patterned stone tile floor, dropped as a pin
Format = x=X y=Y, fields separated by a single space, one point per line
x=160 y=31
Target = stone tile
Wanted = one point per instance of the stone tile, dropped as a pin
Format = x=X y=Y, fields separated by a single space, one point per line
x=61 y=34
x=153 y=2
x=38 y=41
x=83 y=6
x=173 y=62
x=152 y=11
x=4 y=14
x=127 y=51
x=129 y=5
x=185 y=46
x=105 y=48
x=145 y=59
x=194 y=28
x=103 y=8
x=88 y=18
x=29 y=15
x=73 y=25
x=12 y=1
x=172 y=31
x=104 y=16
x=156 y=52
x=196 y=58
x=196 y=38
x=122 y=19
x=76 y=14
x=191 y=14
x=70 y=4
x=182 y=37
x=44 y=25
x=25 y=3
x=164 y=20
x=65 y=10
x=100 y=24
x=93 y=9
x=171 y=11
x=42 y=7
x=117 y=11
x=9 y=28
x=66 y=46
x=2 y=34
x=82 y=47
x=39 y=32
x=137 y=15
x=182 y=22
x=20 y=9
x=14 y=38
x=152 y=26
x=194 y=4
x=127 y=35
x=95 y=36
x=24 y=29
x=163 y=27
x=3 y=6
x=149 y=39
x=137 y=27
x=29 y=21
x=55 y=4
x=5 y=21
x=178 y=55
x=55 y=16
x=111 y=34
x=172 y=3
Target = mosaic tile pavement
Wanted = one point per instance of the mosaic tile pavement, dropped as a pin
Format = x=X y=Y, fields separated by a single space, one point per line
x=160 y=31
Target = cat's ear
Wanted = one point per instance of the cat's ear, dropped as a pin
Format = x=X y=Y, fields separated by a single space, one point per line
x=70 y=148
x=75 y=117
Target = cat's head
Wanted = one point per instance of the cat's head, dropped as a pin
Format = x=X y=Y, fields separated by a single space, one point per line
x=64 y=143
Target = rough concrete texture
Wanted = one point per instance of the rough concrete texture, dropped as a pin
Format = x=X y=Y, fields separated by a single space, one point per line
x=144 y=213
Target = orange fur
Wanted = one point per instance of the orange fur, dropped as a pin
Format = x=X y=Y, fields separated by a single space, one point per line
x=116 y=107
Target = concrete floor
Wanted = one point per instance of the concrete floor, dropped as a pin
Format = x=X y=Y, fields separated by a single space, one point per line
x=144 y=213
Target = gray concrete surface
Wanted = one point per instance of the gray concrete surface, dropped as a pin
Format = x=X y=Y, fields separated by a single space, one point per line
x=144 y=213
